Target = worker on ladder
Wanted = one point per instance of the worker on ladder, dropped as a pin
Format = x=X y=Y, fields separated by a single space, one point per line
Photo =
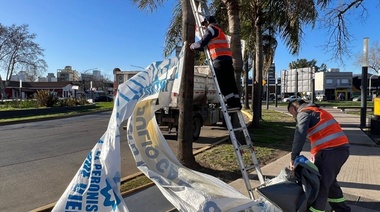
x=221 y=56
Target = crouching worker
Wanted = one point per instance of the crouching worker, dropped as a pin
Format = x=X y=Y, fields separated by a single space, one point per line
x=329 y=148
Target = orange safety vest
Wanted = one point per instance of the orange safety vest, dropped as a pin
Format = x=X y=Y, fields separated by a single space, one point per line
x=327 y=133
x=219 y=46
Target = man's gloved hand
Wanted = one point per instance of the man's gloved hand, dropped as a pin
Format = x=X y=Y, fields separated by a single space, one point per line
x=192 y=46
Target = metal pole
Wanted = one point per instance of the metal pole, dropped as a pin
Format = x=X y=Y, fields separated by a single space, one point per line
x=19 y=92
x=363 y=112
x=370 y=84
x=275 y=90
x=313 y=90
x=267 y=94
x=296 y=89
x=313 y=85
x=91 y=93
x=363 y=108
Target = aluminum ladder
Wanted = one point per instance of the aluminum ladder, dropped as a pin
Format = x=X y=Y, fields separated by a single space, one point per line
x=200 y=10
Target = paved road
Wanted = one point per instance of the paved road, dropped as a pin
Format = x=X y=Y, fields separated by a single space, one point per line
x=39 y=159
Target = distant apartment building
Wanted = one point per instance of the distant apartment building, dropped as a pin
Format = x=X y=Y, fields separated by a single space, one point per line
x=121 y=77
x=21 y=75
x=49 y=78
x=67 y=74
x=97 y=74
x=332 y=83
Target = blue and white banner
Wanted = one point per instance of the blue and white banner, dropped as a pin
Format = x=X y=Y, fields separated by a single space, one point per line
x=96 y=185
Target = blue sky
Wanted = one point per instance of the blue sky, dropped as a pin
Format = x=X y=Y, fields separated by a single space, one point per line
x=106 y=34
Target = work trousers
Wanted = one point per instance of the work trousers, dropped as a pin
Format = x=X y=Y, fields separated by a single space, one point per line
x=329 y=163
x=226 y=79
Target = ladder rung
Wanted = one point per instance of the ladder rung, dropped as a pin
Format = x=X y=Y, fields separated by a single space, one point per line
x=233 y=110
x=238 y=129
x=250 y=167
x=242 y=147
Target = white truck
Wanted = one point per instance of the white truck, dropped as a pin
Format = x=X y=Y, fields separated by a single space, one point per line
x=206 y=106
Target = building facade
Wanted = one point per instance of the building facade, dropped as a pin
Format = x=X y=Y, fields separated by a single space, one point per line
x=297 y=81
x=67 y=74
x=334 y=84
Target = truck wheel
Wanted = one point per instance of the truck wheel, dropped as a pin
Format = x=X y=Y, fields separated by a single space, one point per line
x=197 y=124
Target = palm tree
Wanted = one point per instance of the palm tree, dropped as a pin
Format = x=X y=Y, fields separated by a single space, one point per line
x=233 y=12
x=185 y=122
x=269 y=19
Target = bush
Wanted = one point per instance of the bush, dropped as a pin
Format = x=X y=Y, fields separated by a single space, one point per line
x=71 y=102
x=29 y=103
x=45 y=98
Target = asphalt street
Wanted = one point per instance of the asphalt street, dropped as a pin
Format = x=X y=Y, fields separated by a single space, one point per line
x=39 y=159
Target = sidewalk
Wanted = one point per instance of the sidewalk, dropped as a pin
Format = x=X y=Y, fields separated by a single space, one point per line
x=359 y=177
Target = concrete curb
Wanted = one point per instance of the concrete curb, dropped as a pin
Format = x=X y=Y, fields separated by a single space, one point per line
x=51 y=118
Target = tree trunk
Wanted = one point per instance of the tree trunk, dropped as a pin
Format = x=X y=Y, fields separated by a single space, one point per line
x=235 y=44
x=258 y=68
x=253 y=87
x=185 y=123
x=2 y=89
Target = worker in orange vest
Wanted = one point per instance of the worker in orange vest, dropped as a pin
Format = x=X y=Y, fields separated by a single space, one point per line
x=329 y=151
x=221 y=56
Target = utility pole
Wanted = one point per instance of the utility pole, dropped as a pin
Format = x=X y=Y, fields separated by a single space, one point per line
x=312 y=85
x=275 y=89
x=267 y=90
x=19 y=95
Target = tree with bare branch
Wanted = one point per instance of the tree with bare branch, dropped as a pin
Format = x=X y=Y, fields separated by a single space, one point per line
x=373 y=58
x=19 y=52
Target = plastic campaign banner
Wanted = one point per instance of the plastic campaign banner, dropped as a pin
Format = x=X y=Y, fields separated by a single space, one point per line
x=96 y=185
x=186 y=189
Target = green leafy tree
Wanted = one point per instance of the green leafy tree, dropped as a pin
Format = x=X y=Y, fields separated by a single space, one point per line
x=302 y=63
x=322 y=68
x=265 y=20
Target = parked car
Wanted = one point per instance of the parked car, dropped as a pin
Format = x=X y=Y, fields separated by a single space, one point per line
x=358 y=98
x=306 y=97
x=290 y=98
x=321 y=97
x=103 y=99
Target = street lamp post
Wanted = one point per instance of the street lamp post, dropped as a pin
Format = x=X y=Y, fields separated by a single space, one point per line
x=84 y=78
x=19 y=95
x=313 y=85
x=275 y=89
x=138 y=67
x=363 y=108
